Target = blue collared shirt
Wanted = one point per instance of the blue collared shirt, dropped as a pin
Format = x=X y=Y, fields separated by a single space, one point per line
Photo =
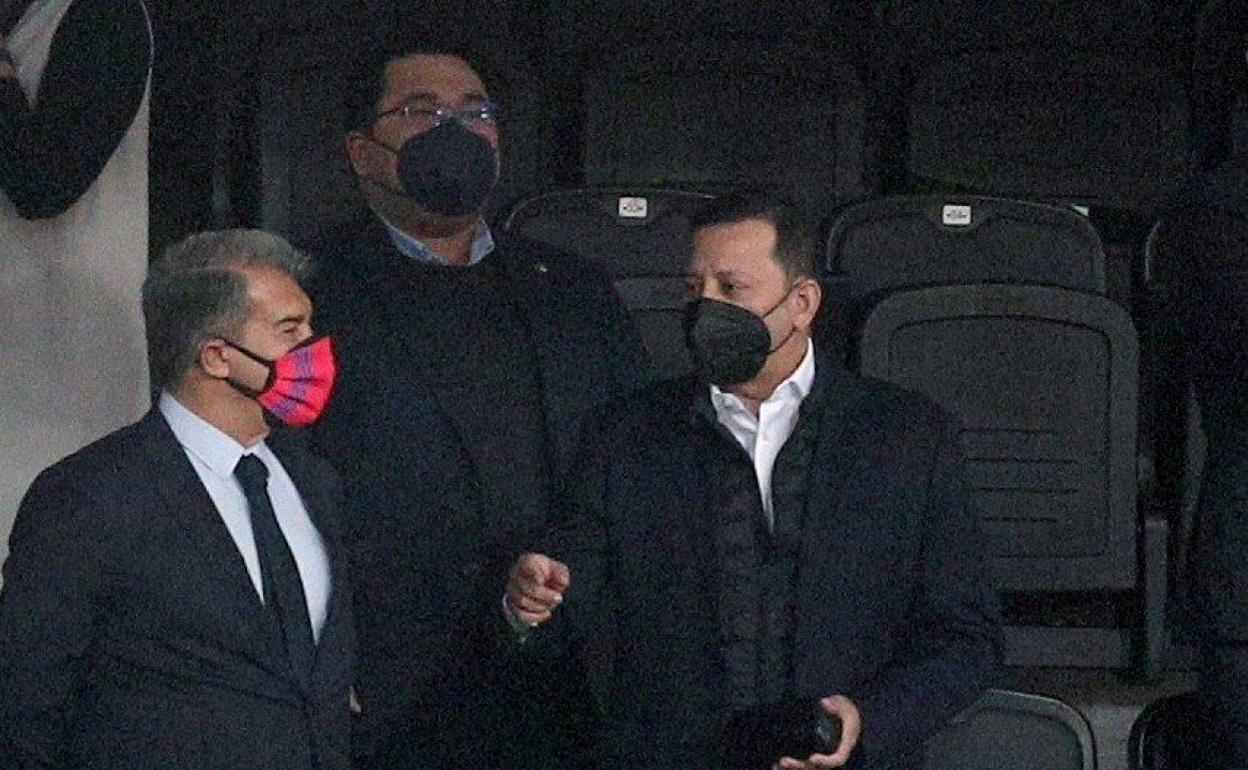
x=418 y=251
x=214 y=454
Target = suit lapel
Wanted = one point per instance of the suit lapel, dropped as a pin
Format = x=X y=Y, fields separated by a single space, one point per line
x=707 y=439
x=209 y=542
x=532 y=290
x=830 y=529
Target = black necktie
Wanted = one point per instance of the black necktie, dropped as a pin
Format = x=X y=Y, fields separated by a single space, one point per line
x=283 y=590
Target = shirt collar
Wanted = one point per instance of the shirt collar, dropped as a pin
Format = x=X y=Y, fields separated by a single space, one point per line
x=418 y=251
x=210 y=444
x=796 y=387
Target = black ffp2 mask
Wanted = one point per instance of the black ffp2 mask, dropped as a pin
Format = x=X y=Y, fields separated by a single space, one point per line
x=447 y=170
x=728 y=343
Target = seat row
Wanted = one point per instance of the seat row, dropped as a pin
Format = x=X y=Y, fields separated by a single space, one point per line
x=1064 y=102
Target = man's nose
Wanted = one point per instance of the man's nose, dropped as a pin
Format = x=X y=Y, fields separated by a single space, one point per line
x=705 y=290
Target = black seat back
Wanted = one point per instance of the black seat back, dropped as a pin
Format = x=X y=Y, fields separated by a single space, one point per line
x=1044 y=383
x=1006 y=730
x=935 y=239
x=641 y=237
x=710 y=96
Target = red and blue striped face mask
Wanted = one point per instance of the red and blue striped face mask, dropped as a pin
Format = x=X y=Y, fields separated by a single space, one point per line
x=299 y=384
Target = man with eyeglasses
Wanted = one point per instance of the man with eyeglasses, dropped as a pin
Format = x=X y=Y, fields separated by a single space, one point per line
x=467 y=361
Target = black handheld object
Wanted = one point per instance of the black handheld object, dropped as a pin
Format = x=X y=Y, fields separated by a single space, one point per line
x=755 y=738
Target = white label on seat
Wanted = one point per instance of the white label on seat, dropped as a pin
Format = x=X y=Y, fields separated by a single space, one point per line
x=633 y=208
x=956 y=216
x=1086 y=211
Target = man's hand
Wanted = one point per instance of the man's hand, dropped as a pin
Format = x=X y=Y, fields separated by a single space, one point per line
x=851 y=727
x=535 y=587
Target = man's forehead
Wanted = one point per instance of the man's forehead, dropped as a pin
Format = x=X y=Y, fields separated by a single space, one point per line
x=442 y=76
x=731 y=266
x=734 y=246
x=272 y=291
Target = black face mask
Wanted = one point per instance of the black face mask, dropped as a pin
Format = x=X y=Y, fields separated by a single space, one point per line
x=446 y=170
x=728 y=343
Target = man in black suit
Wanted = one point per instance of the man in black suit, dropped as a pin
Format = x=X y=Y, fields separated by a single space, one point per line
x=468 y=361
x=1204 y=260
x=774 y=530
x=175 y=594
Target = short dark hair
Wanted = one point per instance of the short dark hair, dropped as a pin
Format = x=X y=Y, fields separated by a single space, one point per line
x=368 y=76
x=795 y=241
x=195 y=291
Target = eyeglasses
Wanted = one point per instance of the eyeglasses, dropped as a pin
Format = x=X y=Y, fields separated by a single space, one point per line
x=422 y=117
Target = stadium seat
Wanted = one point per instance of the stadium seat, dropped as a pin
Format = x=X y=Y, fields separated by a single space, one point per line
x=1041 y=126
x=1041 y=100
x=932 y=239
x=1044 y=381
x=909 y=241
x=706 y=96
x=641 y=237
x=1006 y=730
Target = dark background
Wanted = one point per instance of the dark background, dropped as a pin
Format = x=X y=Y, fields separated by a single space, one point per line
x=246 y=118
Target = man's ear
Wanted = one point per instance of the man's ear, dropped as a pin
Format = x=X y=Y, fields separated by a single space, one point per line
x=212 y=358
x=357 y=147
x=808 y=294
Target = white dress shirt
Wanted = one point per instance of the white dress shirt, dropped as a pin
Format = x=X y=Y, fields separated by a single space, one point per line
x=763 y=436
x=214 y=456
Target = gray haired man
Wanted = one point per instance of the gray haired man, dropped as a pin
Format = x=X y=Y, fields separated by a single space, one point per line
x=175 y=593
